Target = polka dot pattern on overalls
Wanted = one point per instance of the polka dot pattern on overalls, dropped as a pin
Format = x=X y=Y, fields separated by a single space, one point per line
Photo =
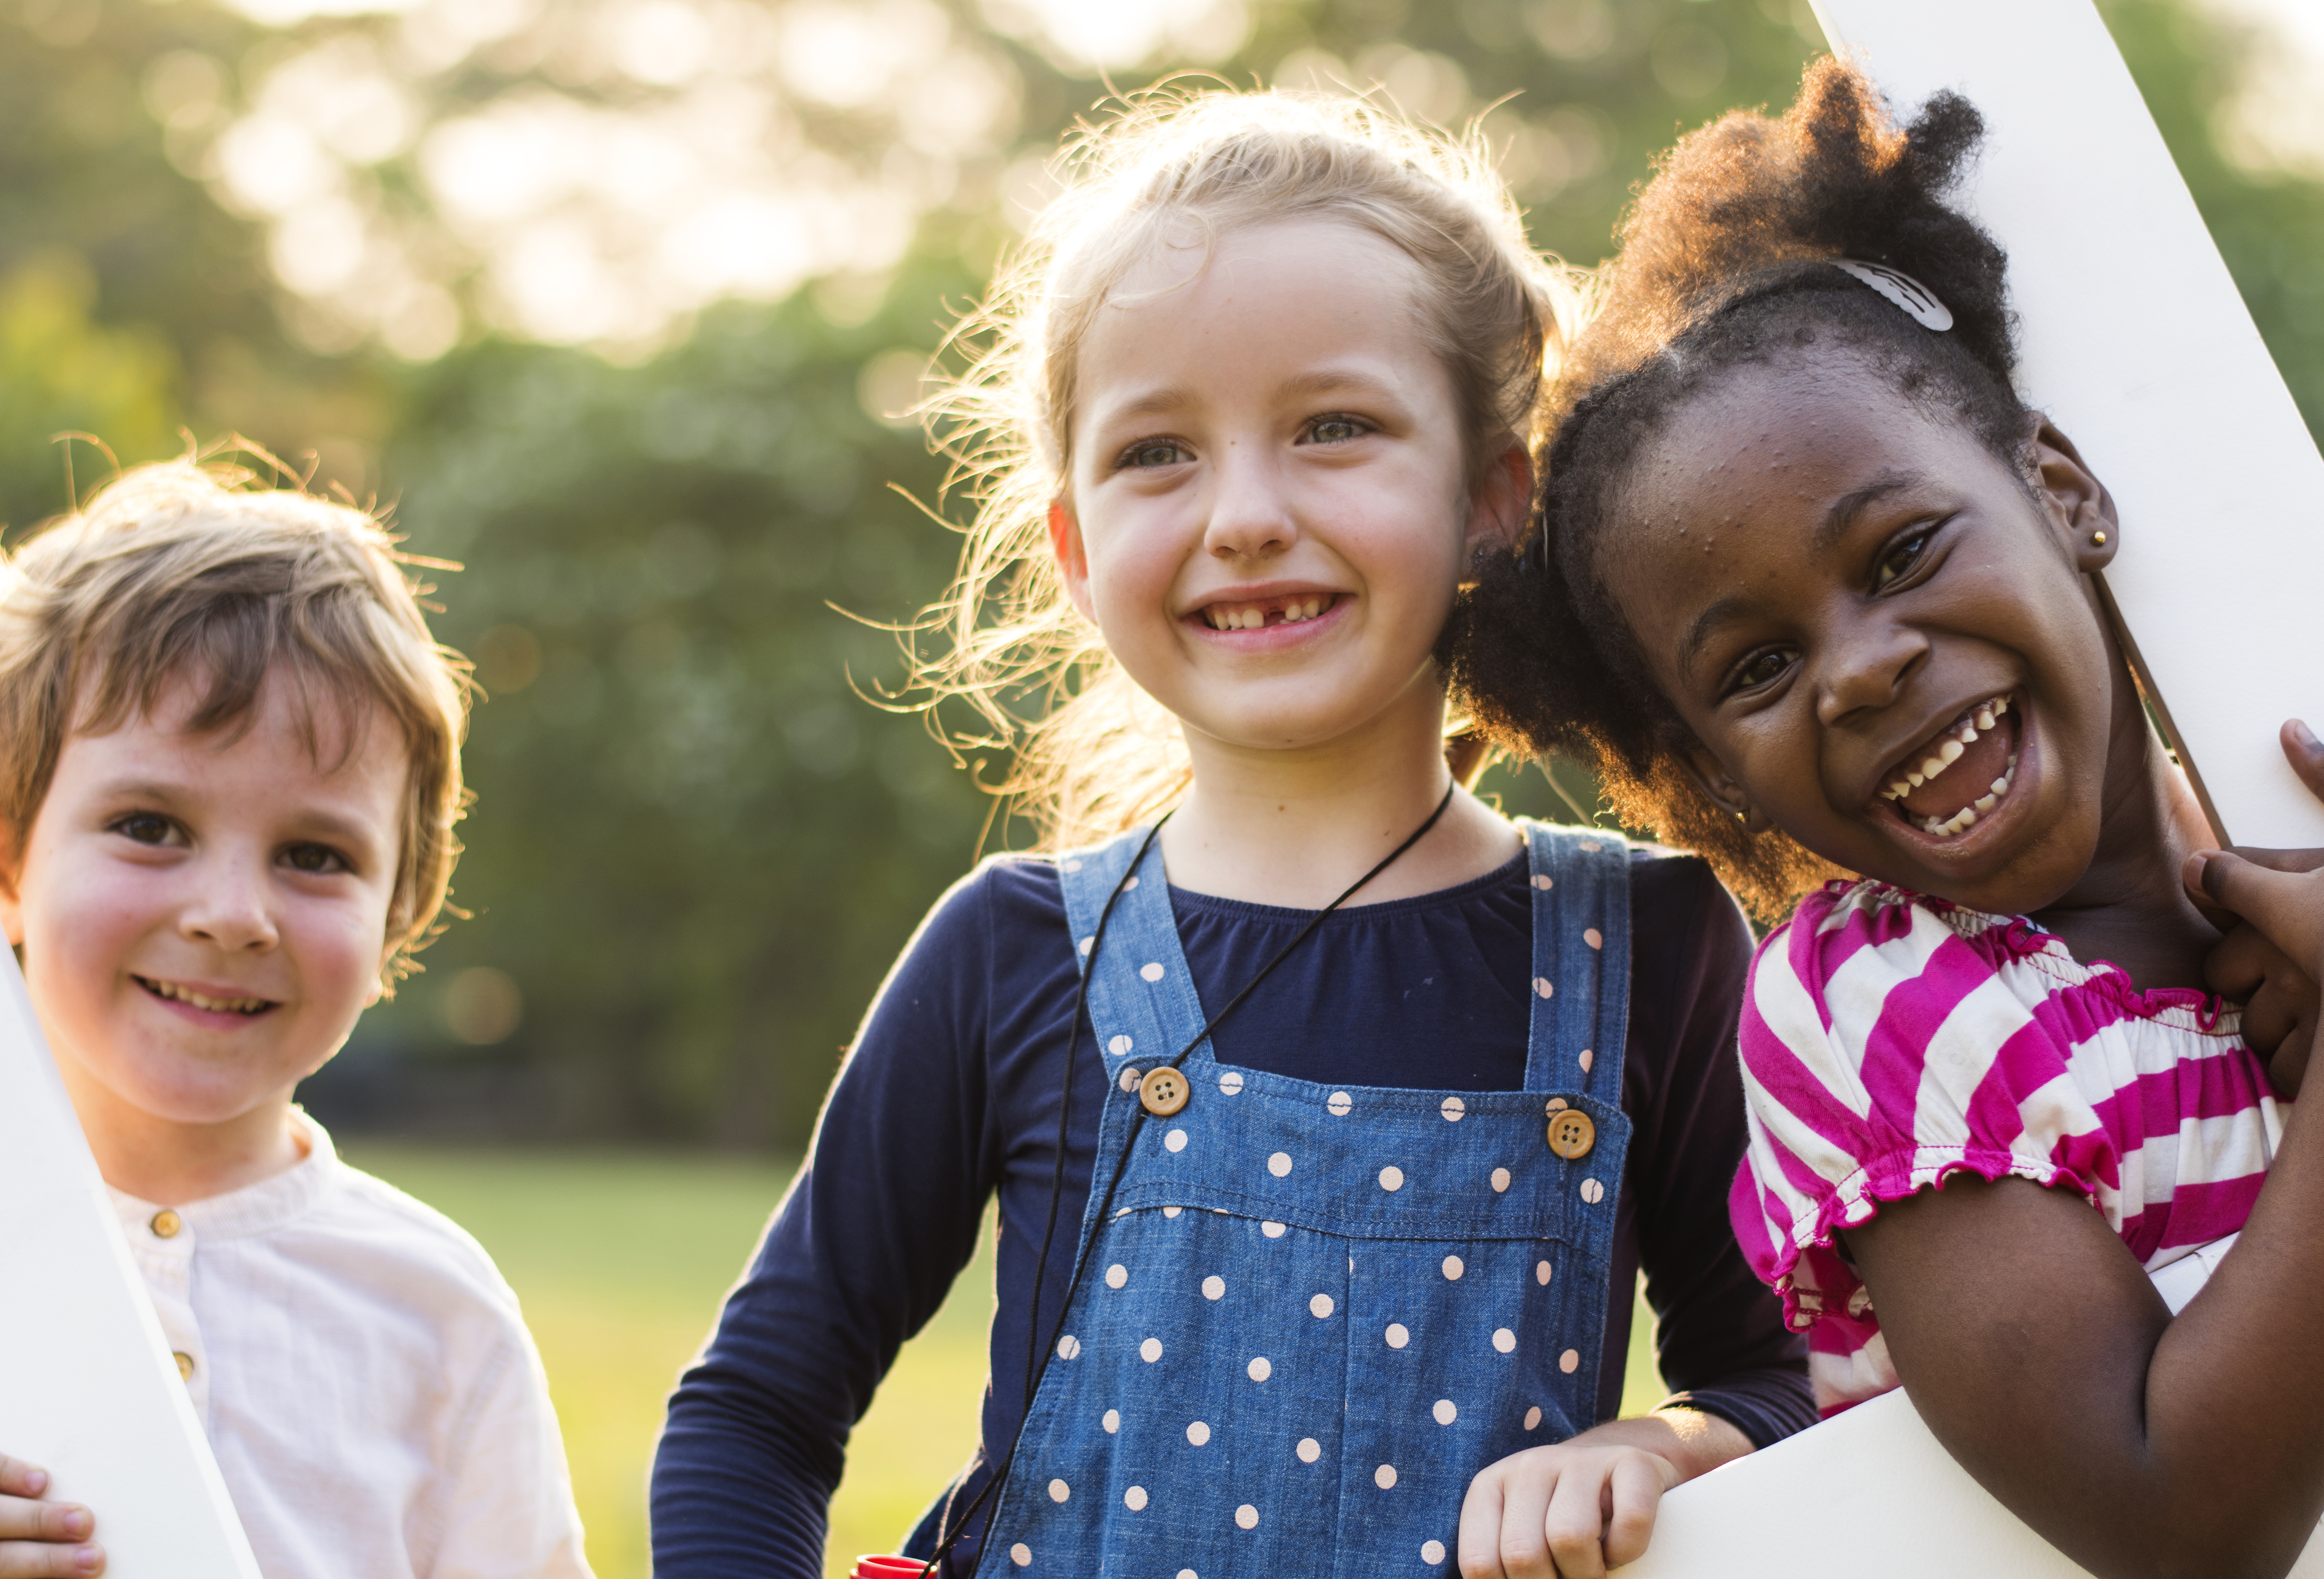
x=1206 y=1412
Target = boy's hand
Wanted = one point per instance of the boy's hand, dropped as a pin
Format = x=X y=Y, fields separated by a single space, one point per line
x=42 y=1540
x=1577 y=1508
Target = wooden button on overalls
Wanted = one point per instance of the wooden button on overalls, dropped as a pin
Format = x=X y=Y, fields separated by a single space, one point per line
x=1163 y=1091
x=1572 y=1133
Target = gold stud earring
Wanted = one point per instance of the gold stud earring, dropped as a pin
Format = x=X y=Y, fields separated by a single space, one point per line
x=2097 y=539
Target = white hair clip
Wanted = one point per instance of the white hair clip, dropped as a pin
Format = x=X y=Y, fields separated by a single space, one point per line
x=1919 y=303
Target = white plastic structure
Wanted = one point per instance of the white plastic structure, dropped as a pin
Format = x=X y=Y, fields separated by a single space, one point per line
x=1868 y=1493
x=89 y=1389
x=2137 y=344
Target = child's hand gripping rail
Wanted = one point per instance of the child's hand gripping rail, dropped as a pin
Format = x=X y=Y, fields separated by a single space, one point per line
x=89 y=1388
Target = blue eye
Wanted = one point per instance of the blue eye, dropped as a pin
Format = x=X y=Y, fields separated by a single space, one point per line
x=1151 y=452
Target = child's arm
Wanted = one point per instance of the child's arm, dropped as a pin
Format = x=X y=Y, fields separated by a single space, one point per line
x=2041 y=1357
x=1587 y=1504
x=866 y=1246
x=42 y=1540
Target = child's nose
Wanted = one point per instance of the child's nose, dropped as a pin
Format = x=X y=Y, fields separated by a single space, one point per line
x=1250 y=516
x=231 y=913
x=1866 y=665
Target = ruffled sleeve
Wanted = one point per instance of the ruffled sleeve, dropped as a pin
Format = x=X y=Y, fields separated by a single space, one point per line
x=1884 y=1047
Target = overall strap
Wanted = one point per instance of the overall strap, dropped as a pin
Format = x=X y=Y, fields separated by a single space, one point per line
x=1141 y=996
x=1581 y=987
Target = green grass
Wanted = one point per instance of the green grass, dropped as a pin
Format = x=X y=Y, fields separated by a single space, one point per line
x=621 y=1258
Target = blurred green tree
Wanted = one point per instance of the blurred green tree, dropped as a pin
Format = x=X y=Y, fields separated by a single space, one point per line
x=131 y=307
x=695 y=844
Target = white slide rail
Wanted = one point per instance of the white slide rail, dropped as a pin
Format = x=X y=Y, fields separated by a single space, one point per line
x=89 y=1388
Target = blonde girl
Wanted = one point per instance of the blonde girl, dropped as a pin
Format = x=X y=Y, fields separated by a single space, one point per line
x=1330 y=1115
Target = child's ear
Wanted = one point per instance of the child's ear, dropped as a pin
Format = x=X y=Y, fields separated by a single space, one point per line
x=1072 y=558
x=1500 y=503
x=2079 y=505
x=1719 y=789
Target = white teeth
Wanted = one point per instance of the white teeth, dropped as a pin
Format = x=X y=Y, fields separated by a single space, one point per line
x=1252 y=617
x=217 y=1006
x=1982 y=718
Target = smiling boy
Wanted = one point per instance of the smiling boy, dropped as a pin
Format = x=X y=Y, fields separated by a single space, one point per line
x=229 y=769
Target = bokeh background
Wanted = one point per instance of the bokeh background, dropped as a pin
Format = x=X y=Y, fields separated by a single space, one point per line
x=614 y=301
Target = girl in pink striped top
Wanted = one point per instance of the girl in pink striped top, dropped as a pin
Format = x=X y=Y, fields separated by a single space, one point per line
x=1816 y=592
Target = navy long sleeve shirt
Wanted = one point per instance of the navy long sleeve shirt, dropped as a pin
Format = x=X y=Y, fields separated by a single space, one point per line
x=951 y=1097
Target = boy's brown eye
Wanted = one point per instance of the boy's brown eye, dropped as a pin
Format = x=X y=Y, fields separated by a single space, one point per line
x=144 y=827
x=313 y=857
x=1764 y=669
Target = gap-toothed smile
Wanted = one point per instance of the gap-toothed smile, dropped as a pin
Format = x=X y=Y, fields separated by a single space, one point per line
x=1260 y=612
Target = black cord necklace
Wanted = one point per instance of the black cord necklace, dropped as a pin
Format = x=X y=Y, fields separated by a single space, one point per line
x=1038 y=1355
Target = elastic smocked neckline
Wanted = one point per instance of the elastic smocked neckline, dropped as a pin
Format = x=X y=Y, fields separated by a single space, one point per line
x=2019 y=936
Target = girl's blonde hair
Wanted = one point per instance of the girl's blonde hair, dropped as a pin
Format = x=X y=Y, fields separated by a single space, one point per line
x=1093 y=755
x=195 y=572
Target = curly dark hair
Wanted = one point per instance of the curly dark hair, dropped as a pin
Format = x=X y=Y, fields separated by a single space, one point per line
x=1725 y=262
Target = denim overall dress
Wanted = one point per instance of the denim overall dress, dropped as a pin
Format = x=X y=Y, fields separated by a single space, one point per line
x=1314 y=1313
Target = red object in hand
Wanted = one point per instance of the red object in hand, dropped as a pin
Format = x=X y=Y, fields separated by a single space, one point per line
x=889 y=1568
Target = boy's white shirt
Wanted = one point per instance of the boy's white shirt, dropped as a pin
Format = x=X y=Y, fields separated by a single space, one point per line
x=374 y=1401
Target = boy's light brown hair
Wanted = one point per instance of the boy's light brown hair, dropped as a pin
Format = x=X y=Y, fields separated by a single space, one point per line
x=195 y=572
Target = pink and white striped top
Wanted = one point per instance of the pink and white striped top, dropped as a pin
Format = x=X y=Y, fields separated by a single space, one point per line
x=1890 y=1038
